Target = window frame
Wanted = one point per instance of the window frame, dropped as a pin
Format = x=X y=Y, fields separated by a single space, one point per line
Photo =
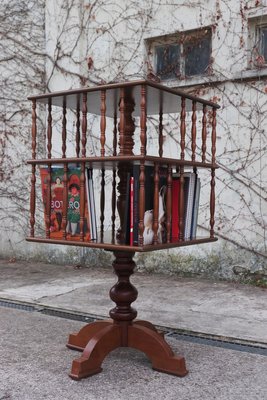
x=179 y=38
x=256 y=58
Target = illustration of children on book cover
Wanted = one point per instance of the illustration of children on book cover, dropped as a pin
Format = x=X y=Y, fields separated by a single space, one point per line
x=56 y=209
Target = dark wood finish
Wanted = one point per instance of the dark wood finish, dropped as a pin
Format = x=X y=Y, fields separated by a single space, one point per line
x=103 y=123
x=181 y=205
x=156 y=205
x=97 y=340
x=129 y=99
x=169 y=203
x=194 y=131
x=204 y=133
x=49 y=129
x=84 y=124
x=65 y=201
x=102 y=204
x=33 y=174
x=107 y=244
x=109 y=162
x=182 y=129
x=78 y=133
x=64 y=129
x=160 y=131
x=212 y=183
x=113 y=199
x=48 y=203
x=143 y=121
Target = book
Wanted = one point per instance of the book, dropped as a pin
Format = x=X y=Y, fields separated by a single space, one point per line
x=195 y=209
x=57 y=199
x=91 y=202
x=189 y=188
x=148 y=234
x=175 y=208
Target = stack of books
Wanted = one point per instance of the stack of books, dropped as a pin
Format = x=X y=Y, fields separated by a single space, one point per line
x=191 y=206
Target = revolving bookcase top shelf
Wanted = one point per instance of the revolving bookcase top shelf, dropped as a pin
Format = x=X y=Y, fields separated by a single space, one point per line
x=124 y=111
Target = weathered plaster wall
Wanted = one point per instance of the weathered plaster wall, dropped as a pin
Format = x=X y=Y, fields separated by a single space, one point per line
x=86 y=43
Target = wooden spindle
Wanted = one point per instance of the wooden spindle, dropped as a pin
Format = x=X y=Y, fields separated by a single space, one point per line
x=141 y=203
x=143 y=121
x=65 y=202
x=102 y=204
x=49 y=128
x=213 y=136
x=204 y=133
x=212 y=203
x=84 y=123
x=78 y=124
x=48 y=202
x=64 y=128
x=156 y=204
x=122 y=121
x=193 y=131
x=161 y=130
x=115 y=133
x=33 y=175
x=103 y=123
x=212 y=182
x=113 y=205
x=181 y=204
x=182 y=128
x=169 y=203
x=113 y=198
x=82 y=201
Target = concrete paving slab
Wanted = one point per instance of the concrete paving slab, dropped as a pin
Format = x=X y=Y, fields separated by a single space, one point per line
x=216 y=308
x=35 y=364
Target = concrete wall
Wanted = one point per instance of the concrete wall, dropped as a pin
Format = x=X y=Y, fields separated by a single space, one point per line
x=79 y=43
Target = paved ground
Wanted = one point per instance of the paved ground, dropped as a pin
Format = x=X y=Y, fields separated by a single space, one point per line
x=35 y=362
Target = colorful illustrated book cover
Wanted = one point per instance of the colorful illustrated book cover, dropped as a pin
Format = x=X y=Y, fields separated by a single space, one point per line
x=56 y=210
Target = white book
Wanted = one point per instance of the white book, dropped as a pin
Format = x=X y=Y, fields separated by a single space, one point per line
x=195 y=210
x=91 y=203
x=189 y=204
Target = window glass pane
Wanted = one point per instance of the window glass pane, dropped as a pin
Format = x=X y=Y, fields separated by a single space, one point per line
x=197 y=52
x=168 y=61
x=264 y=43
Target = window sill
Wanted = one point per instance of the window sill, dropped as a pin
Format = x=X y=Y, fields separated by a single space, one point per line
x=245 y=75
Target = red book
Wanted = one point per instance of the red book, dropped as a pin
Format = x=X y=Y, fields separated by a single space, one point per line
x=131 y=209
x=175 y=208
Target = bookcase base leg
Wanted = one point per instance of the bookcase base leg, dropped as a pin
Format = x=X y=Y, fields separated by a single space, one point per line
x=98 y=347
x=105 y=336
x=79 y=340
x=153 y=344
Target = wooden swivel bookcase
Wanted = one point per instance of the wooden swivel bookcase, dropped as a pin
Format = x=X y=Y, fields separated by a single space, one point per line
x=126 y=104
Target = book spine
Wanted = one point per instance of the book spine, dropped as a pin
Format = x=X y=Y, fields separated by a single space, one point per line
x=88 y=202
x=92 y=204
x=175 y=209
x=189 y=206
x=195 y=210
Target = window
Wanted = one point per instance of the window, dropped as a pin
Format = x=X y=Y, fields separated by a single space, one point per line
x=262 y=34
x=258 y=42
x=181 y=56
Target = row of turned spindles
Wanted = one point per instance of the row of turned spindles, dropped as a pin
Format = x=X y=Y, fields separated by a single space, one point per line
x=81 y=140
x=113 y=203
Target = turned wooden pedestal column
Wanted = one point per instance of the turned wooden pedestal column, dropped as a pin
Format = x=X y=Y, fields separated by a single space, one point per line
x=98 y=339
